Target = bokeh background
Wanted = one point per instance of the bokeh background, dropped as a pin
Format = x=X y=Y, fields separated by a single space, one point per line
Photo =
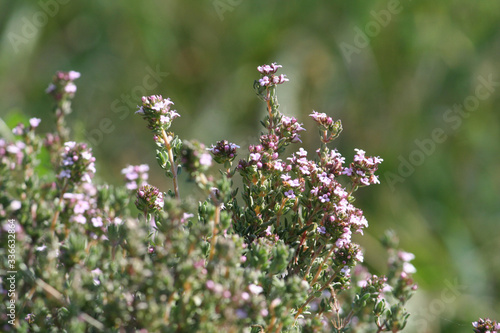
x=393 y=72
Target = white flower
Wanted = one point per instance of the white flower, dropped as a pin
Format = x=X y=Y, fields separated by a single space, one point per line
x=72 y=75
x=409 y=268
x=254 y=289
x=34 y=122
x=86 y=155
x=406 y=256
x=15 y=205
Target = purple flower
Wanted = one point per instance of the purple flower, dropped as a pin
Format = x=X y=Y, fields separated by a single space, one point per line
x=223 y=151
x=77 y=163
x=321 y=229
x=18 y=130
x=135 y=175
x=289 y=194
x=324 y=198
x=30 y=318
x=294 y=183
x=241 y=314
x=51 y=88
x=64 y=174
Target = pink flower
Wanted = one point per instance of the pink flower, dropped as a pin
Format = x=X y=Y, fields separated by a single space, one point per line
x=97 y=222
x=206 y=159
x=255 y=157
x=34 y=122
x=264 y=81
x=70 y=88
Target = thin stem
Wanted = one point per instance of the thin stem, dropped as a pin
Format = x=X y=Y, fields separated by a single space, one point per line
x=278 y=214
x=51 y=292
x=213 y=241
x=312 y=260
x=320 y=269
x=166 y=315
x=173 y=169
x=330 y=280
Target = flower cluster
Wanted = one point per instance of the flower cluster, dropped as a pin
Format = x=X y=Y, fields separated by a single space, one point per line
x=268 y=78
x=63 y=85
x=136 y=175
x=82 y=206
x=156 y=111
x=195 y=158
x=149 y=199
x=275 y=254
x=77 y=163
x=328 y=129
x=11 y=154
x=223 y=151
x=289 y=128
x=362 y=169
x=23 y=130
x=486 y=326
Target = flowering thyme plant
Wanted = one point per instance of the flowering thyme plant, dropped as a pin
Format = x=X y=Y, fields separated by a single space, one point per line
x=275 y=255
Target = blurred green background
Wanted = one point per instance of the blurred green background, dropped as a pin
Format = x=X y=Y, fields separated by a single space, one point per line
x=392 y=71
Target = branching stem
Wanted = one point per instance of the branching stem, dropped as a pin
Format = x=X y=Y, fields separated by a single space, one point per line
x=168 y=139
